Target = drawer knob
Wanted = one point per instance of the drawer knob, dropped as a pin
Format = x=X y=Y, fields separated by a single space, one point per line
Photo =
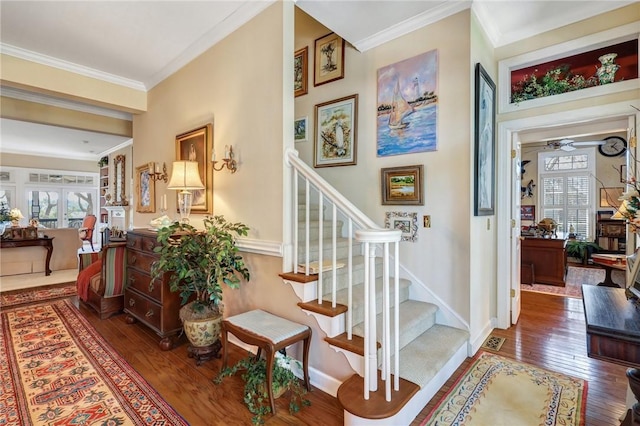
x=132 y=302
x=132 y=280
x=149 y=313
x=151 y=287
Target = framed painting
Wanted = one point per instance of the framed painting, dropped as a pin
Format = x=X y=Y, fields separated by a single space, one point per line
x=196 y=145
x=407 y=106
x=336 y=129
x=609 y=197
x=402 y=185
x=145 y=190
x=328 y=59
x=528 y=213
x=405 y=222
x=485 y=143
x=300 y=129
x=300 y=71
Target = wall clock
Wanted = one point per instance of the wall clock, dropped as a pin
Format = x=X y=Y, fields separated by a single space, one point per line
x=613 y=146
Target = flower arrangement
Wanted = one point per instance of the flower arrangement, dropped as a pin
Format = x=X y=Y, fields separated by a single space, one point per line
x=554 y=82
x=630 y=207
x=12 y=215
x=15 y=214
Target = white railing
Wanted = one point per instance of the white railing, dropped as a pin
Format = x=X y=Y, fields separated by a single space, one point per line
x=372 y=238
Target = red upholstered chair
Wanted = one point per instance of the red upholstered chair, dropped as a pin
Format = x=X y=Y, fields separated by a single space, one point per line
x=101 y=283
x=86 y=231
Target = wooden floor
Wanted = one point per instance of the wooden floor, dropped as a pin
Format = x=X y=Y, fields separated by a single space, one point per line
x=549 y=334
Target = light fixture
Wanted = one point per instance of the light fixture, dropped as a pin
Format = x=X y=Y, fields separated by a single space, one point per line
x=227 y=161
x=185 y=177
x=156 y=174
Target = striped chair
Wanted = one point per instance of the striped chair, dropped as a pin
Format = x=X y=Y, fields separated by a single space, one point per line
x=106 y=288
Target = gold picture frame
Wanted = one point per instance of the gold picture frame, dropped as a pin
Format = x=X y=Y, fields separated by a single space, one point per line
x=30 y=233
x=145 y=190
x=402 y=185
x=197 y=145
x=328 y=64
x=300 y=71
x=609 y=197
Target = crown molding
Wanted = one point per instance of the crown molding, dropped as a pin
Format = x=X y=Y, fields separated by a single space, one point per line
x=235 y=20
x=28 y=55
x=411 y=24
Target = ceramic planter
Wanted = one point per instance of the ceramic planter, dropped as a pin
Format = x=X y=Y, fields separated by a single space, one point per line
x=203 y=332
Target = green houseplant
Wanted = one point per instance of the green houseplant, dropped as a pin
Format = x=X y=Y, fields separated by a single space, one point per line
x=255 y=390
x=581 y=249
x=199 y=262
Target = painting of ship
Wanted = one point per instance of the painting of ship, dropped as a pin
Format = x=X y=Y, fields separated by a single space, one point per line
x=400 y=108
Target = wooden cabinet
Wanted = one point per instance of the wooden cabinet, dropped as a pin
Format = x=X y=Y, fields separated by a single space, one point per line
x=547 y=255
x=153 y=304
x=612 y=235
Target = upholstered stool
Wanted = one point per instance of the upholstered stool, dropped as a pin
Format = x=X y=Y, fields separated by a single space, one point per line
x=271 y=333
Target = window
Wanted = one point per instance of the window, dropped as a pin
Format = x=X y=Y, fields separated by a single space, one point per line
x=567 y=189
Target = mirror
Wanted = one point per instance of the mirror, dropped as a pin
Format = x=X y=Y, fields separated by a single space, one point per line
x=118 y=191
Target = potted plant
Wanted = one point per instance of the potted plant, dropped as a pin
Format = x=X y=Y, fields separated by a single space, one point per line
x=199 y=262
x=581 y=249
x=255 y=390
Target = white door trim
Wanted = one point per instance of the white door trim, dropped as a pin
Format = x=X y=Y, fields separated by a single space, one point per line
x=506 y=129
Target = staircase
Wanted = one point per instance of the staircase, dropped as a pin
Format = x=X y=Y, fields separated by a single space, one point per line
x=397 y=341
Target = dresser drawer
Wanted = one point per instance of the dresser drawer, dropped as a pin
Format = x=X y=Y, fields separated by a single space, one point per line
x=143 y=309
x=142 y=283
x=142 y=242
x=141 y=261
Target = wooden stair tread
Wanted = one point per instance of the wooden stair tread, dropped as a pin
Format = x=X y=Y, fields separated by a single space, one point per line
x=351 y=397
x=355 y=345
x=300 y=278
x=323 y=308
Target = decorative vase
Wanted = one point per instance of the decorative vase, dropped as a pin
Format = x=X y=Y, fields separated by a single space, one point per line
x=202 y=333
x=606 y=73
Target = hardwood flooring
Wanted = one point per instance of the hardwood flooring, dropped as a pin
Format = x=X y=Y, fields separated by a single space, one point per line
x=549 y=334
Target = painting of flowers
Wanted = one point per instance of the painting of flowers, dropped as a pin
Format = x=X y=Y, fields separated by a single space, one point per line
x=407 y=106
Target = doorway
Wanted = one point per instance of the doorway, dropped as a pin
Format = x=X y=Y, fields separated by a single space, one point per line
x=508 y=287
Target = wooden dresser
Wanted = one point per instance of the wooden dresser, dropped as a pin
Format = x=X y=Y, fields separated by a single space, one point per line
x=547 y=255
x=153 y=304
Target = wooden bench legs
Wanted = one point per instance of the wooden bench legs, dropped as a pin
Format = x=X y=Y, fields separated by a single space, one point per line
x=285 y=333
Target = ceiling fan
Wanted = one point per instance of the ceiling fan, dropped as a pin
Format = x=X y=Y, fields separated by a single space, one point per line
x=570 y=144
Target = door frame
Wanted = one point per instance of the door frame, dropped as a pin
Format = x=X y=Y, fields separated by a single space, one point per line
x=507 y=130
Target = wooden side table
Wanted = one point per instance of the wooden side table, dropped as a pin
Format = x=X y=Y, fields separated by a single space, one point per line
x=271 y=333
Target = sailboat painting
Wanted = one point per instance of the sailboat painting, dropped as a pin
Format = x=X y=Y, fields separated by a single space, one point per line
x=408 y=106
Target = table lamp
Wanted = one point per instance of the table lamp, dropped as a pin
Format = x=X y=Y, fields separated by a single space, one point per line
x=185 y=177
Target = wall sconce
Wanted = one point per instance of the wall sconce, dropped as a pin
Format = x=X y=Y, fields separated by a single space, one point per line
x=227 y=161
x=156 y=174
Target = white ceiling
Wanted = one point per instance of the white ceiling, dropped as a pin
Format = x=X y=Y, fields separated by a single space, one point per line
x=140 y=43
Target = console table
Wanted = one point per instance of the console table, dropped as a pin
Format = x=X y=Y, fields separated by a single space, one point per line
x=35 y=242
x=613 y=325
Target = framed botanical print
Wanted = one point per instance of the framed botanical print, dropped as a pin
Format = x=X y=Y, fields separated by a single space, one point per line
x=145 y=190
x=300 y=71
x=402 y=185
x=196 y=145
x=336 y=129
x=485 y=143
x=329 y=59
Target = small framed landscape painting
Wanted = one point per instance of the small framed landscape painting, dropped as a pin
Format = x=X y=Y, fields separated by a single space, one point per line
x=300 y=129
x=402 y=185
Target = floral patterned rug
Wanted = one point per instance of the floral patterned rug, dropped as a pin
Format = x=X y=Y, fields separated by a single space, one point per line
x=576 y=276
x=499 y=391
x=57 y=370
x=40 y=294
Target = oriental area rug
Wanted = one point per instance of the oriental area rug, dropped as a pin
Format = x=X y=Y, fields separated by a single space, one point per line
x=575 y=277
x=21 y=297
x=498 y=391
x=57 y=370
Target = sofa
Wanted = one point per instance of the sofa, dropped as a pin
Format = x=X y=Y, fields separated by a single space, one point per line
x=28 y=260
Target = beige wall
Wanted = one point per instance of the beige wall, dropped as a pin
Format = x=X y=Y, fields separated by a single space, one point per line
x=50 y=163
x=439 y=259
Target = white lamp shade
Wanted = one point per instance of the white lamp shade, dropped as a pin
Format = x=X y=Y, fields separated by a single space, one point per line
x=185 y=175
x=619 y=214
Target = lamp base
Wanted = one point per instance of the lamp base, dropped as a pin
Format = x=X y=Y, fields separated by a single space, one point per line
x=185 y=200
